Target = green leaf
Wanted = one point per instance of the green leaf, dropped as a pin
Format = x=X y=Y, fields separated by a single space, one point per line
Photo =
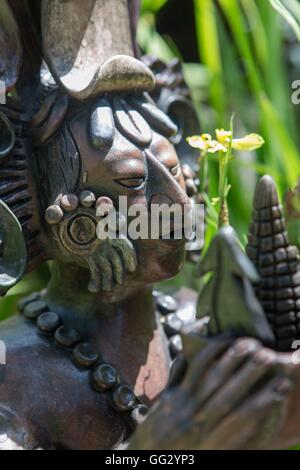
x=287 y=16
x=280 y=135
x=257 y=30
x=153 y=5
x=210 y=49
x=150 y=41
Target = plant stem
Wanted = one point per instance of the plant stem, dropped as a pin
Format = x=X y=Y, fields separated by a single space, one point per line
x=203 y=173
x=223 y=169
x=224 y=162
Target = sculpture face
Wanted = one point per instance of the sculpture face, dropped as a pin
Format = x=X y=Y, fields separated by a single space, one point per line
x=143 y=167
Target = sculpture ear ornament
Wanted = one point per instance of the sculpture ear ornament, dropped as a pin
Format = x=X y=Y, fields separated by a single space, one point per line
x=19 y=222
x=12 y=243
x=74 y=220
x=13 y=249
x=7 y=136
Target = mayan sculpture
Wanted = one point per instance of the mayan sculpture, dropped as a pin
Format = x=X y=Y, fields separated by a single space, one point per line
x=86 y=122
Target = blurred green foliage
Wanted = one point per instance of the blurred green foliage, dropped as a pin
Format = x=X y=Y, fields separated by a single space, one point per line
x=34 y=281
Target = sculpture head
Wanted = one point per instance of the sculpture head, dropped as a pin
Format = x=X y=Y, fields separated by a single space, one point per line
x=111 y=146
x=97 y=134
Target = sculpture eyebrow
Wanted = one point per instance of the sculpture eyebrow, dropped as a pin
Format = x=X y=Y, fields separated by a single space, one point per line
x=133 y=117
x=102 y=125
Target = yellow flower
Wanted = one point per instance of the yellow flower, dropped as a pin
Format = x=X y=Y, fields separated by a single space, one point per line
x=216 y=147
x=200 y=142
x=224 y=137
x=248 y=143
x=205 y=143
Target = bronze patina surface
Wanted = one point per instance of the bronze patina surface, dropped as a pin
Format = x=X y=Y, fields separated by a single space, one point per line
x=88 y=122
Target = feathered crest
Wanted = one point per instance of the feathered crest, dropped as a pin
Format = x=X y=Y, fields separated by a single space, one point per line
x=88 y=46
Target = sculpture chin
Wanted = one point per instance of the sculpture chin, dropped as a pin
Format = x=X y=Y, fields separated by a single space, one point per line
x=157 y=261
x=160 y=260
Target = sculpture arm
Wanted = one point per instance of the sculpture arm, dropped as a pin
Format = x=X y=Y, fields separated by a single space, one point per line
x=238 y=396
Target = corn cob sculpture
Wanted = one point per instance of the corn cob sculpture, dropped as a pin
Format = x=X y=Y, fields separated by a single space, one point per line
x=277 y=263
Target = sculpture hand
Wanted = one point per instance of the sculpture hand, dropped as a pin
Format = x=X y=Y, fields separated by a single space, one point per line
x=75 y=220
x=229 y=398
x=110 y=262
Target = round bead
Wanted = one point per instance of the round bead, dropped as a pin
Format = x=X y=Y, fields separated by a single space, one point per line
x=48 y=322
x=27 y=300
x=67 y=337
x=138 y=415
x=175 y=345
x=172 y=324
x=105 y=206
x=104 y=377
x=85 y=355
x=191 y=188
x=33 y=310
x=69 y=202
x=87 y=198
x=54 y=215
x=124 y=398
x=187 y=171
x=187 y=314
x=166 y=304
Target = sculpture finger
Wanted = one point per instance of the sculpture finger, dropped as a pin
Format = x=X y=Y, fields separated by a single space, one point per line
x=106 y=269
x=271 y=407
x=127 y=251
x=118 y=267
x=239 y=387
x=256 y=420
x=223 y=370
x=94 y=285
x=203 y=360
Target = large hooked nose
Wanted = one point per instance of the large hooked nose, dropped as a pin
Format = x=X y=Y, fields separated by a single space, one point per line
x=162 y=188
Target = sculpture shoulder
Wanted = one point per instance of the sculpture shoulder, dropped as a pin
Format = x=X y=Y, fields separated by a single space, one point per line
x=46 y=401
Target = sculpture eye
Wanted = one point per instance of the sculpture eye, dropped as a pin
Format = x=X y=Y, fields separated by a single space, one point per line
x=175 y=170
x=132 y=183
